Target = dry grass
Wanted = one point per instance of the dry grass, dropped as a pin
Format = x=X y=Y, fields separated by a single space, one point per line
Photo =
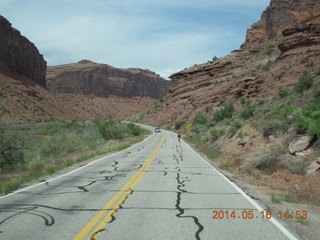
x=267 y=158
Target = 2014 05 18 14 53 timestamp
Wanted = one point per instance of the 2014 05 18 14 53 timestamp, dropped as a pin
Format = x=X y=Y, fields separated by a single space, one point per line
x=251 y=214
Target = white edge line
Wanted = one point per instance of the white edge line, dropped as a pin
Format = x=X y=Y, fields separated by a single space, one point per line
x=78 y=169
x=254 y=203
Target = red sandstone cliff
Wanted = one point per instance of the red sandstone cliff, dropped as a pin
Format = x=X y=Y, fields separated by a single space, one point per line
x=19 y=55
x=102 y=80
x=280 y=15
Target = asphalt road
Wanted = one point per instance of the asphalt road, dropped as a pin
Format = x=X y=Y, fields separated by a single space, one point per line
x=157 y=189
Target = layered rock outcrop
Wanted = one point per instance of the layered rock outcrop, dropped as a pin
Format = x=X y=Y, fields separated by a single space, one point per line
x=19 y=55
x=279 y=49
x=280 y=15
x=89 y=78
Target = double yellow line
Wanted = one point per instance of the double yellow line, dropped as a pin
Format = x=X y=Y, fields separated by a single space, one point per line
x=100 y=221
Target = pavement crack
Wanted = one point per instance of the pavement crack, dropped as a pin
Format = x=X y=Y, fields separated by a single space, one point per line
x=84 y=188
x=195 y=219
x=181 y=210
x=48 y=219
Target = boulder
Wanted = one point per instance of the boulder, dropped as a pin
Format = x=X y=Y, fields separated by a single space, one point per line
x=299 y=144
x=314 y=167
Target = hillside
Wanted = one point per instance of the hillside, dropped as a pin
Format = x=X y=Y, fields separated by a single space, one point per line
x=278 y=49
x=26 y=101
x=102 y=80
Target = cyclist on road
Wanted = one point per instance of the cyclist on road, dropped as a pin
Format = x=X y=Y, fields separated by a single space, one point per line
x=179 y=136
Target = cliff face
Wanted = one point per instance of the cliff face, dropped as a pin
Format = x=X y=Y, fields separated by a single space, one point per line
x=280 y=15
x=19 y=55
x=279 y=49
x=89 y=78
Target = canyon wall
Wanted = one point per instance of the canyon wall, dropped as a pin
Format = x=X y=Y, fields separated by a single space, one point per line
x=19 y=55
x=102 y=80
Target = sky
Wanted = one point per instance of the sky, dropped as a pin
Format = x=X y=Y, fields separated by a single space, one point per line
x=164 y=36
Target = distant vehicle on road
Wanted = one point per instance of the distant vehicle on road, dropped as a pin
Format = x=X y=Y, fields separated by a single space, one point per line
x=157 y=129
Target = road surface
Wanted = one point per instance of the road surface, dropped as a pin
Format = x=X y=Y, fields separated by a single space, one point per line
x=157 y=189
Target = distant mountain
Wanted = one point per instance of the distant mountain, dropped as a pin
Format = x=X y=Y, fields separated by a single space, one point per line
x=102 y=80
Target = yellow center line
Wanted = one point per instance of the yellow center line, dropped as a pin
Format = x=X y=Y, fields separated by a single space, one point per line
x=114 y=204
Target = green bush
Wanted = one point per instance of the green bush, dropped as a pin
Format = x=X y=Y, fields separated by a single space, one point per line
x=273 y=127
x=241 y=135
x=304 y=83
x=134 y=129
x=226 y=112
x=218 y=132
x=284 y=93
x=247 y=112
x=289 y=110
x=317 y=94
x=198 y=128
x=11 y=150
x=178 y=125
x=317 y=73
x=110 y=129
x=310 y=124
x=309 y=119
x=201 y=118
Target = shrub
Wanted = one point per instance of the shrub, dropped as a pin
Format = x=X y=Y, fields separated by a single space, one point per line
x=241 y=135
x=201 y=118
x=178 y=125
x=134 y=129
x=275 y=198
x=198 y=128
x=310 y=124
x=304 y=83
x=317 y=94
x=289 y=110
x=110 y=129
x=296 y=166
x=217 y=132
x=247 y=112
x=284 y=93
x=226 y=112
x=11 y=150
x=273 y=126
x=317 y=73
x=264 y=159
x=309 y=120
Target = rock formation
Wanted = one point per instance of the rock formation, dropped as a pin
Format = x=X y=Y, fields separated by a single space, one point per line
x=19 y=55
x=280 y=15
x=89 y=78
x=279 y=49
x=30 y=102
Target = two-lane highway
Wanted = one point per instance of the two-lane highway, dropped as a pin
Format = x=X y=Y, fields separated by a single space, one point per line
x=157 y=189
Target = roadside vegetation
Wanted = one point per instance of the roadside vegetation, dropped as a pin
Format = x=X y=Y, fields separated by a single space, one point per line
x=277 y=121
x=28 y=151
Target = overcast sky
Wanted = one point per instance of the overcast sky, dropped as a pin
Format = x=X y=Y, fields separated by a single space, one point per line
x=164 y=36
